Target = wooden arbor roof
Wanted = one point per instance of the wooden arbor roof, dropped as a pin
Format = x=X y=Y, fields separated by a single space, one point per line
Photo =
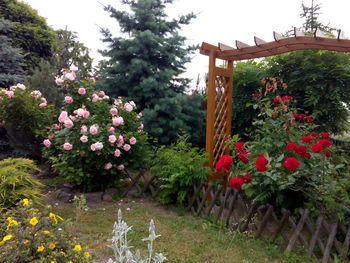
x=280 y=45
x=220 y=80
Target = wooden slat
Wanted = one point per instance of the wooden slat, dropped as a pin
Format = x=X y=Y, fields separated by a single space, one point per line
x=241 y=45
x=259 y=41
x=134 y=182
x=297 y=231
x=264 y=221
x=315 y=236
x=223 y=72
x=244 y=226
x=195 y=194
x=231 y=207
x=205 y=197
x=330 y=241
x=224 y=47
x=281 y=224
x=217 y=193
x=345 y=249
x=337 y=244
x=222 y=207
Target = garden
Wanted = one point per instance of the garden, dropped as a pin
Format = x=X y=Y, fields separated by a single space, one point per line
x=113 y=163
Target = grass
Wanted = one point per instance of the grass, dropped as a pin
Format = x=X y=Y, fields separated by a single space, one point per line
x=184 y=238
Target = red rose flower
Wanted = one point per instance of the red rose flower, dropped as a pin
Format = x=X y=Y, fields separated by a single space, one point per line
x=236 y=182
x=325 y=143
x=308 y=119
x=327 y=153
x=255 y=94
x=316 y=148
x=276 y=101
x=226 y=138
x=291 y=163
x=261 y=163
x=307 y=155
x=306 y=139
x=247 y=178
x=291 y=146
x=239 y=145
x=224 y=163
x=314 y=134
x=301 y=150
x=325 y=135
x=287 y=98
x=243 y=158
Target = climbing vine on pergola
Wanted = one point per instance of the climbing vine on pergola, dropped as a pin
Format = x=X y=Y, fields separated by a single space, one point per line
x=220 y=80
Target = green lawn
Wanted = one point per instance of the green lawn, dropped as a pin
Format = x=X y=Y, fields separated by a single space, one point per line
x=185 y=238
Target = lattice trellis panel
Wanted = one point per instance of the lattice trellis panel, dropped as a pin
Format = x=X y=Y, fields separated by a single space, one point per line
x=219 y=112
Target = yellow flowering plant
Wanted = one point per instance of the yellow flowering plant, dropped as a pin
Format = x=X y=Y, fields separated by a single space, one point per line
x=28 y=235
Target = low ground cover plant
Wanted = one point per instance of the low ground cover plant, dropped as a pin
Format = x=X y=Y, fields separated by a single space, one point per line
x=93 y=140
x=287 y=163
x=178 y=166
x=30 y=236
x=17 y=182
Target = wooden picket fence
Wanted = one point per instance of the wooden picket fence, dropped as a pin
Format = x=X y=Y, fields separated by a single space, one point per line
x=320 y=238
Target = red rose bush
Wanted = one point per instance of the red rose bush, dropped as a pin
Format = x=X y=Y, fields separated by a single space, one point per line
x=288 y=164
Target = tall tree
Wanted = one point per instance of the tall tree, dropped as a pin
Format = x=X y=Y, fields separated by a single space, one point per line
x=146 y=64
x=11 y=60
x=29 y=32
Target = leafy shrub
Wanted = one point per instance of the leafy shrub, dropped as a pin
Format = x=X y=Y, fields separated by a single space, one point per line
x=17 y=181
x=287 y=163
x=93 y=141
x=178 y=166
x=121 y=246
x=28 y=236
x=25 y=115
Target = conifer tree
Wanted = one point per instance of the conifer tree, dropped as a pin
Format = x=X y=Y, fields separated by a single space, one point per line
x=145 y=64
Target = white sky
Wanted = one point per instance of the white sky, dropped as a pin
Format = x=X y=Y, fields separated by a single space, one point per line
x=218 y=20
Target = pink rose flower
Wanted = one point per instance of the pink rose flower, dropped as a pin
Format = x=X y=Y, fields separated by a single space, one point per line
x=93 y=147
x=95 y=97
x=117 y=153
x=120 y=139
x=101 y=93
x=21 y=86
x=82 y=91
x=121 y=167
x=141 y=127
x=73 y=68
x=84 y=139
x=68 y=123
x=80 y=112
x=42 y=105
x=70 y=76
x=96 y=146
x=83 y=129
x=56 y=126
x=93 y=129
x=111 y=130
x=36 y=94
x=9 y=93
x=47 y=143
x=59 y=81
x=112 y=138
x=72 y=117
x=108 y=166
x=113 y=111
x=128 y=107
x=63 y=116
x=67 y=146
x=68 y=99
x=126 y=147
x=132 y=140
x=50 y=137
x=86 y=114
x=132 y=104
x=117 y=121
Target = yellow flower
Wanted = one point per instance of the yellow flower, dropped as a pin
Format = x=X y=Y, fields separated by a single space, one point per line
x=1 y=243
x=11 y=223
x=25 y=202
x=6 y=238
x=25 y=242
x=70 y=261
x=63 y=254
x=77 y=248
x=46 y=232
x=34 y=221
x=52 y=246
x=55 y=217
x=86 y=254
x=40 y=248
x=53 y=262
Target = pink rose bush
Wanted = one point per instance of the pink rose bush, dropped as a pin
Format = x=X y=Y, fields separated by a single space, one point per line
x=94 y=138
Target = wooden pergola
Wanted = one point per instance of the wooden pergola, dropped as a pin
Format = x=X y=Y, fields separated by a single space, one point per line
x=220 y=80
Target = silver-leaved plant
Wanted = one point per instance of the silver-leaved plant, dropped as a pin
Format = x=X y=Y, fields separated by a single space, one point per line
x=121 y=248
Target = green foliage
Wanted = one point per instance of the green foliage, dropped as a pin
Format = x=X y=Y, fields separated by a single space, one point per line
x=319 y=81
x=17 y=182
x=28 y=27
x=26 y=117
x=29 y=236
x=147 y=65
x=11 y=60
x=104 y=138
x=178 y=166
